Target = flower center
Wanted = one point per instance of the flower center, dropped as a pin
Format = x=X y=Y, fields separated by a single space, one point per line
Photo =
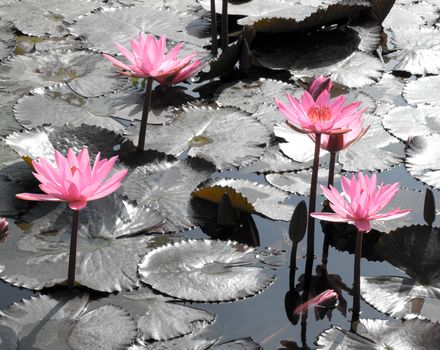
x=319 y=113
x=73 y=170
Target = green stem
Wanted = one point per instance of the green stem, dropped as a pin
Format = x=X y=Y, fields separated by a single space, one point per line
x=146 y=110
x=225 y=29
x=357 y=281
x=214 y=43
x=72 y=254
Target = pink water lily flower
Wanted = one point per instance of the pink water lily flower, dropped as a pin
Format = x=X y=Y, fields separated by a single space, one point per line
x=74 y=180
x=147 y=58
x=338 y=142
x=320 y=115
x=318 y=85
x=360 y=202
x=323 y=299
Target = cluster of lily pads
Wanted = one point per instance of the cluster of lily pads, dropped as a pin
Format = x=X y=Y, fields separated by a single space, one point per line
x=208 y=154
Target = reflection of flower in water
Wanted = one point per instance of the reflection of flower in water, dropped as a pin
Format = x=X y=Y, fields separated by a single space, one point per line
x=3 y=230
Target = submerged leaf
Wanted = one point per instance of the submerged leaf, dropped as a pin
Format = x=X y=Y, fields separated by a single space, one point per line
x=248 y=196
x=226 y=137
x=88 y=74
x=203 y=270
x=62 y=322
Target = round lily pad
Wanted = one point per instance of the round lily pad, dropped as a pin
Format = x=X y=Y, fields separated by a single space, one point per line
x=423 y=91
x=203 y=270
x=62 y=322
x=87 y=73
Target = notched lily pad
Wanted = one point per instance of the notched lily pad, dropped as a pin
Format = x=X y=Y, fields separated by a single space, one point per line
x=423 y=91
x=62 y=322
x=383 y=334
x=7 y=122
x=57 y=105
x=98 y=29
x=204 y=270
x=423 y=159
x=88 y=74
x=226 y=137
x=166 y=186
x=248 y=196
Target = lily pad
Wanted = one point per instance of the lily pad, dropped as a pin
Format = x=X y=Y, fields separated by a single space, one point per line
x=159 y=317
x=57 y=105
x=46 y=17
x=108 y=249
x=62 y=322
x=401 y=16
x=42 y=141
x=9 y=204
x=88 y=74
x=383 y=334
x=98 y=29
x=184 y=343
x=226 y=137
x=204 y=270
x=166 y=186
x=418 y=50
x=7 y=42
x=250 y=197
x=406 y=122
x=422 y=91
x=401 y=297
x=423 y=159
x=250 y=95
x=7 y=122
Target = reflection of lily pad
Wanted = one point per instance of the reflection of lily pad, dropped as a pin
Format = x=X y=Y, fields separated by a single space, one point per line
x=62 y=322
x=248 y=196
x=159 y=317
x=98 y=29
x=226 y=137
x=57 y=105
x=166 y=187
x=203 y=270
x=87 y=73
x=402 y=297
x=107 y=253
x=383 y=334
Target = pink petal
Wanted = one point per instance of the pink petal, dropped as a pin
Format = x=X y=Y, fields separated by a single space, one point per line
x=329 y=217
x=38 y=197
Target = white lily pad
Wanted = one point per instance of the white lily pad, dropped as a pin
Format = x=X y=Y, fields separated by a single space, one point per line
x=262 y=199
x=88 y=74
x=61 y=322
x=7 y=36
x=166 y=186
x=383 y=334
x=405 y=122
x=159 y=317
x=57 y=105
x=108 y=251
x=98 y=29
x=204 y=270
x=418 y=50
x=401 y=297
x=423 y=159
x=423 y=91
x=46 y=17
x=402 y=16
x=226 y=137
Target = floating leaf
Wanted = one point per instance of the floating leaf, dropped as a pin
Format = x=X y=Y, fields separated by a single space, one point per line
x=43 y=17
x=401 y=297
x=61 y=322
x=423 y=159
x=9 y=204
x=249 y=95
x=57 y=105
x=405 y=122
x=165 y=186
x=29 y=44
x=383 y=334
x=203 y=270
x=88 y=74
x=159 y=317
x=401 y=16
x=423 y=91
x=184 y=343
x=97 y=29
x=42 y=141
x=226 y=137
x=6 y=38
x=107 y=254
x=418 y=50
x=248 y=196
x=7 y=122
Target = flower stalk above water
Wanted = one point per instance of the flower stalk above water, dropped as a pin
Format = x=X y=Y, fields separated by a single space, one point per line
x=73 y=180
x=148 y=60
